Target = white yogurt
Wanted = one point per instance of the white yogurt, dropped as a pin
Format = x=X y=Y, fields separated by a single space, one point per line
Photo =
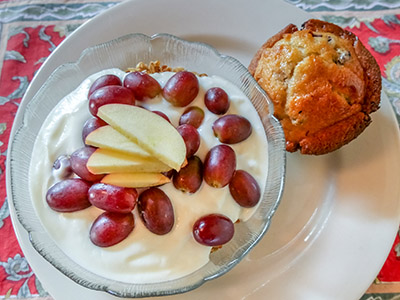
x=143 y=257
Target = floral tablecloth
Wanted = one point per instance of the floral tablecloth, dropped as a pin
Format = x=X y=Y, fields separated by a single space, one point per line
x=42 y=25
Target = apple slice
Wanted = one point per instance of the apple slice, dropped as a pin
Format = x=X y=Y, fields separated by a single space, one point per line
x=150 y=131
x=107 y=137
x=135 y=180
x=104 y=161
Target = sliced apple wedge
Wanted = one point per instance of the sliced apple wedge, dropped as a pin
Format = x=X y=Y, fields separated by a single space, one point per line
x=150 y=131
x=107 y=137
x=135 y=180
x=104 y=161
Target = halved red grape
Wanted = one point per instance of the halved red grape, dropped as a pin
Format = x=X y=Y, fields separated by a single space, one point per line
x=181 y=89
x=213 y=230
x=191 y=138
x=111 y=228
x=232 y=129
x=142 y=85
x=244 y=189
x=110 y=94
x=68 y=195
x=113 y=198
x=79 y=160
x=216 y=100
x=190 y=177
x=91 y=125
x=192 y=115
x=219 y=166
x=105 y=80
x=156 y=211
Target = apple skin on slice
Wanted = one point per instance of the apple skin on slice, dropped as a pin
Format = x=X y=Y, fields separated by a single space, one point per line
x=150 y=131
x=107 y=137
x=135 y=180
x=104 y=161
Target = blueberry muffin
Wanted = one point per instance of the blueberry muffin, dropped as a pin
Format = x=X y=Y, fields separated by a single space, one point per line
x=323 y=82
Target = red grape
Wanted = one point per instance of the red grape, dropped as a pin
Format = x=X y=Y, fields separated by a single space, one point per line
x=79 y=160
x=216 y=100
x=142 y=85
x=110 y=94
x=232 y=129
x=192 y=115
x=156 y=211
x=181 y=89
x=244 y=189
x=111 y=228
x=219 y=166
x=213 y=230
x=161 y=114
x=113 y=198
x=191 y=138
x=62 y=165
x=190 y=177
x=91 y=125
x=104 y=80
x=68 y=195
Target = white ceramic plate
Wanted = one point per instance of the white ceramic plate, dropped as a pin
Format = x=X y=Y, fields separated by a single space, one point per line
x=339 y=213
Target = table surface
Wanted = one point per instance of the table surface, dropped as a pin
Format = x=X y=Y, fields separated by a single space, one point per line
x=42 y=25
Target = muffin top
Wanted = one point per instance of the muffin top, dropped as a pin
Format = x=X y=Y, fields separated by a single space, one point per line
x=323 y=82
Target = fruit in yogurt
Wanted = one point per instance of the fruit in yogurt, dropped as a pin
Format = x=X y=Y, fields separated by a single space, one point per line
x=136 y=180
x=68 y=195
x=150 y=131
x=232 y=129
x=190 y=177
x=156 y=211
x=142 y=85
x=191 y=138
x=110 y=94
x=104 y=161
x=213 y=230
x=171 y=212
x=219 y=166
x=79 y=160
x=216 y=100
x=105 y=80
x=193 y=115
x=244 y=189
x=112 y=198
x=181 y=89
x=107 y=137
x=110 y=228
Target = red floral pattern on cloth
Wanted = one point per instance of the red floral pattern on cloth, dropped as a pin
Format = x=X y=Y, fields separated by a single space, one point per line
x=390 y=271
x=384 y=54
x=16 y=277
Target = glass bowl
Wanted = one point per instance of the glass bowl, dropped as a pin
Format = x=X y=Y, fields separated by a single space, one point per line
x=123 y=53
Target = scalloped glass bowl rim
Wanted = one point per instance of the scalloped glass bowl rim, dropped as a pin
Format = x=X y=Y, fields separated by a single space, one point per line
x=164 y=47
